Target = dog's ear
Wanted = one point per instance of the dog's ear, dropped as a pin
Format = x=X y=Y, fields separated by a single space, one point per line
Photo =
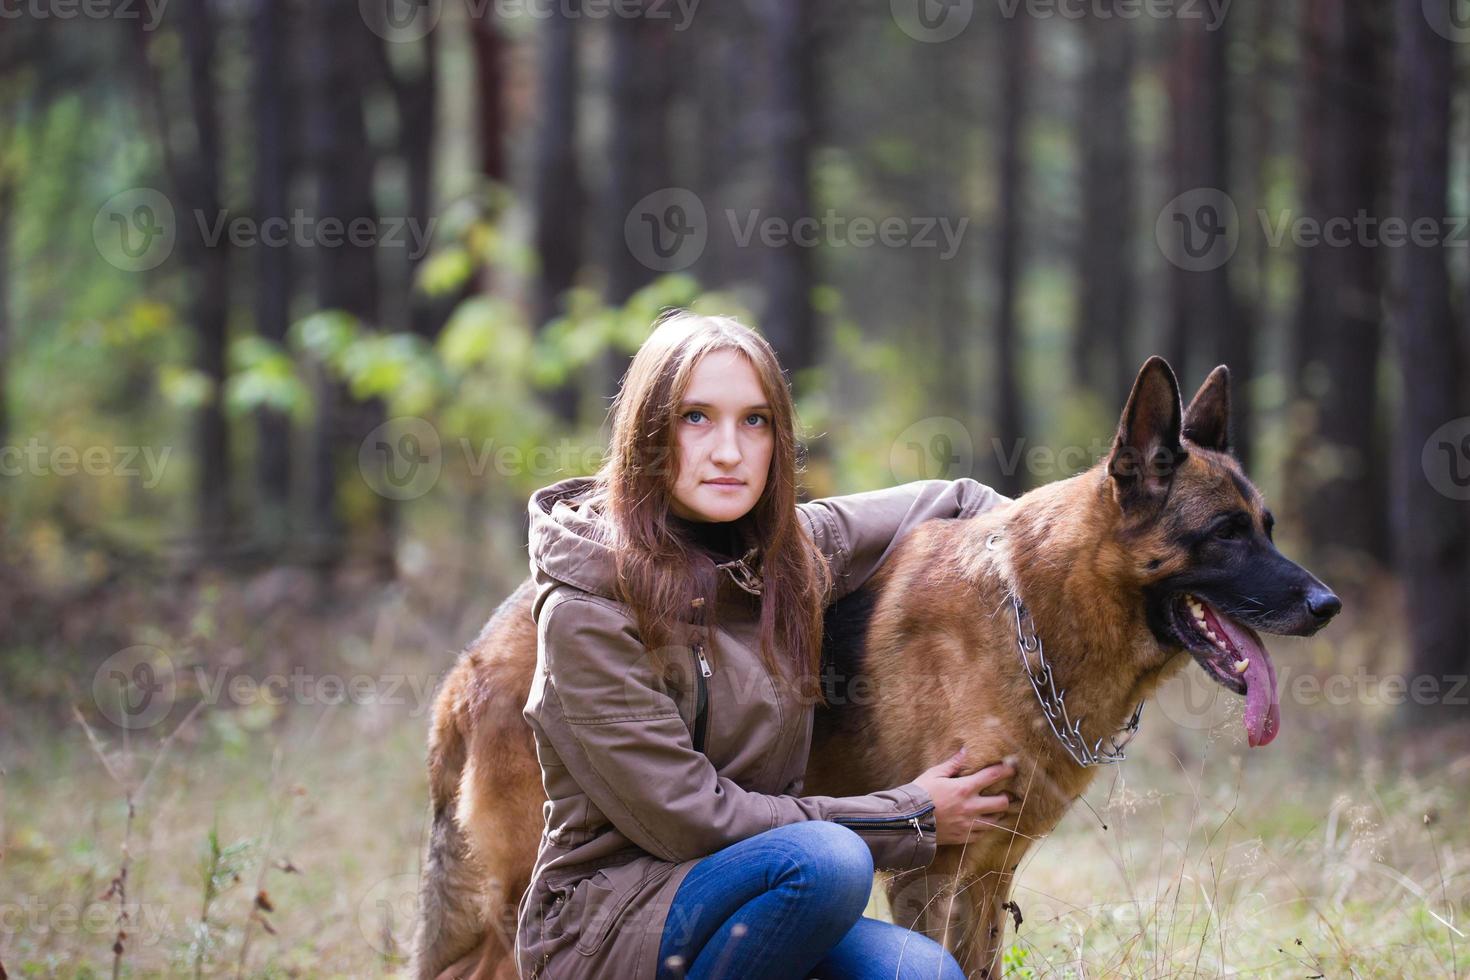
x=1147 y=450
x=1207 y=419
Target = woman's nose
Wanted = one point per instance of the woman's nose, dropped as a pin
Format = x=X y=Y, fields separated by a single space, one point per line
x=727 y=449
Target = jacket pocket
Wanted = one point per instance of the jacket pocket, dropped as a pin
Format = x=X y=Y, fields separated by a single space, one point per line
x=605 y=904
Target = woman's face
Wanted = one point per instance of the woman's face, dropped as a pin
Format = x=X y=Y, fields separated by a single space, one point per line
x=724 y=440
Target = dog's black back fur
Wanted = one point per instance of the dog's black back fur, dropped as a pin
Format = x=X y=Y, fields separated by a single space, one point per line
x=844 y=633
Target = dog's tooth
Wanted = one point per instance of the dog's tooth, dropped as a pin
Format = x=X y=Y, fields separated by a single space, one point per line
x=1241 y=665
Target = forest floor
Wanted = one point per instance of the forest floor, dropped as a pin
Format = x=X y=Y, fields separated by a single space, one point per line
x=275 y=840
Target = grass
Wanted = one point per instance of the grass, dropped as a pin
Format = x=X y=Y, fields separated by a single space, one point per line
x=284 y=841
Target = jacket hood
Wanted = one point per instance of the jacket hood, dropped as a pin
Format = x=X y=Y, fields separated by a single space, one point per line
x=571 y=543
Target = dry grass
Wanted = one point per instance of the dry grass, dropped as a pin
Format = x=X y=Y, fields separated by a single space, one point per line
x=1340 y=850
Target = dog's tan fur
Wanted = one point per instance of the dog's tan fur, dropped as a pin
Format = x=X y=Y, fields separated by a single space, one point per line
x=943 y=670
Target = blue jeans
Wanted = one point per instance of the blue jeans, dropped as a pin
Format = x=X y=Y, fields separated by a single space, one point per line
x=789 y=903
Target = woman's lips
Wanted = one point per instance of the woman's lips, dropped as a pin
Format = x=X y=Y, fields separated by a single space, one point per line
x=724 y=484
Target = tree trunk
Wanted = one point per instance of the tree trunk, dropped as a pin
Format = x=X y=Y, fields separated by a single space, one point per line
x=788 y=319
x=1431 y=532
x=7 y=205
x=1203 y=323
x=1339 y=321
x=347 y=277
x=1100 y=358
x=272 y=184
x=640 y=81
x=209 y=302
x=1014 y=66
x=724 y=98
x=557 y=197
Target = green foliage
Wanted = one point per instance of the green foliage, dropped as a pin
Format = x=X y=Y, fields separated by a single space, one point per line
x=185 y=388
x=264 y=376
x=1013 y=962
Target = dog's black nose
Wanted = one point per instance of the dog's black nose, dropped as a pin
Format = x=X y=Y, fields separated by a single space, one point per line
x=1323 y=604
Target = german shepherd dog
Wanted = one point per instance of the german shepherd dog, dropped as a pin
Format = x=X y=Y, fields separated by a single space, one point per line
x=1032 y=632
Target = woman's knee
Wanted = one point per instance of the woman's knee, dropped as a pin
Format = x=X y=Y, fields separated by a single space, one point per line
x=834 y=860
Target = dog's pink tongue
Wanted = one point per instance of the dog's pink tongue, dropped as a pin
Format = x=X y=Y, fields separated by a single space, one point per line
x=1262 y=707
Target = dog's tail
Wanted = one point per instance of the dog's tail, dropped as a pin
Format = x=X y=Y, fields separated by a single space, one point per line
x=450 y=913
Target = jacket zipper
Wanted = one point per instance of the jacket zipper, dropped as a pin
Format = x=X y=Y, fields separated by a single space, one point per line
x=897 y=823
x=701 y=712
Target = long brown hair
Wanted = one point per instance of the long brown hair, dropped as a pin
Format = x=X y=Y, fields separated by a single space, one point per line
x=660 y=577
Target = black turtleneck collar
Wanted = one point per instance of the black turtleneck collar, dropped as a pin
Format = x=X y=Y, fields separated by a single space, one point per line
x=720 y=538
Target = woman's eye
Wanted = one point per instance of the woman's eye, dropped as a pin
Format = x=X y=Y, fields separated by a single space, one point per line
x=755 y=418
x=695 y=416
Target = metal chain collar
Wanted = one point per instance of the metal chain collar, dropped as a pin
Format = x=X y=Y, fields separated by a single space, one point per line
x=1054 y=705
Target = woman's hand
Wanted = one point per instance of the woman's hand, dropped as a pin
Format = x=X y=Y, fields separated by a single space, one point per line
x=959 y=807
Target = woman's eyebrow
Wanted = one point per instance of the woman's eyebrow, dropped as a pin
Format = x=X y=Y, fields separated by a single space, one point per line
x=699 y=404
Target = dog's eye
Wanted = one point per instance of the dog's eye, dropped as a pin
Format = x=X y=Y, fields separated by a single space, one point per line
x=1228 y=531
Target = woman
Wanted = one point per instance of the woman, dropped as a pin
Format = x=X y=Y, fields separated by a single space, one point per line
x=678 y=610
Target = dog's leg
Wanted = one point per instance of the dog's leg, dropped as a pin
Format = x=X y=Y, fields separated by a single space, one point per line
x=959 y=906
x=449 y=913
x=983 y=935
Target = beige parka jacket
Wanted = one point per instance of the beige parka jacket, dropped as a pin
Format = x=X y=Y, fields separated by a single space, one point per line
x=645 y=772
